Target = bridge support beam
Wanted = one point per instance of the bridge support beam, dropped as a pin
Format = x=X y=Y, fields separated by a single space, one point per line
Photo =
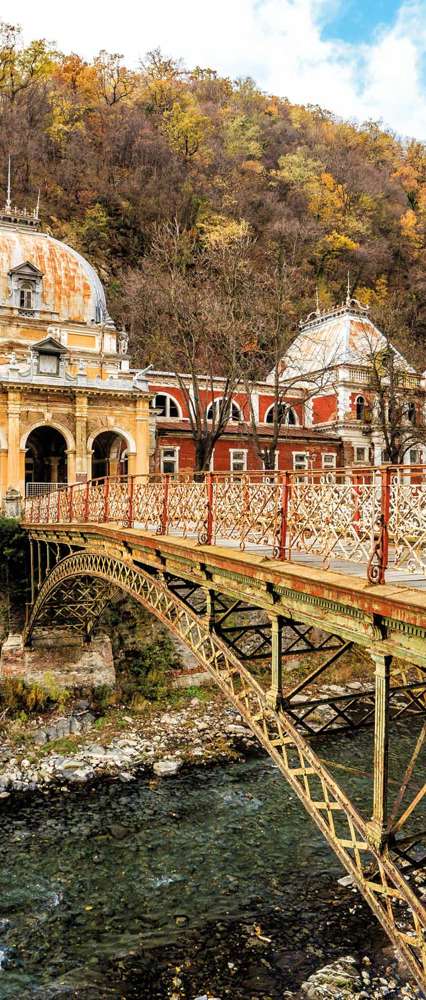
x=275 y=694
x=210 y=608
x=377 y=828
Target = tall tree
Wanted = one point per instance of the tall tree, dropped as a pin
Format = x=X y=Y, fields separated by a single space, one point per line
x=191 y=312
x=396 y=409
x=277 y=283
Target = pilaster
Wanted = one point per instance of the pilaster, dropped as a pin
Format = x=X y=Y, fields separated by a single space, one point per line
x=14 y=465
x=81 y=471
x=142 y=436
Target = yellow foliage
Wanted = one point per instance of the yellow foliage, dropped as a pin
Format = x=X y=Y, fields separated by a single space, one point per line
x=337 y=242
x=408 y=176
x=241 y=135
x=186 y=128
x=298 y=168
x=376 y=296
x=218 y=230
x=408 y=223
x=272 y=107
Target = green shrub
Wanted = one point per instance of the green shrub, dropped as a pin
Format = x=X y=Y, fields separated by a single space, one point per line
x=13 y=574
x=23 y=697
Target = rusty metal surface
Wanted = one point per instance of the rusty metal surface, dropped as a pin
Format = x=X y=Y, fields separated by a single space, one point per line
x=380 y=861
x=374 y=518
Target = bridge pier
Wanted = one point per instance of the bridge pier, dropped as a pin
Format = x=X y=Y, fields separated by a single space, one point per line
x=59 y=655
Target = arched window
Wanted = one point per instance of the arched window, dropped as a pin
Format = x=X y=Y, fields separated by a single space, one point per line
x=235 y=412
x=411 y=413
x=166 y=405
x=360 y=407
x=286 y=415
x=26 y=295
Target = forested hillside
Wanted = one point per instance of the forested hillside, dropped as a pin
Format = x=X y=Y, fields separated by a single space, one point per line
x=118 y=153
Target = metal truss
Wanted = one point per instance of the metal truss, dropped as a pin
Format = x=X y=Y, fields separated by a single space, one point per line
x=77 y=604
x=379 y=853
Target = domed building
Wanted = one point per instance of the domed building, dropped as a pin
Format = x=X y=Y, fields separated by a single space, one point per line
x=70 y=407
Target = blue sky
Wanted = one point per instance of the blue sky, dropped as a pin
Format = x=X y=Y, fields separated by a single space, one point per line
x=357 y=21
x=357 y=58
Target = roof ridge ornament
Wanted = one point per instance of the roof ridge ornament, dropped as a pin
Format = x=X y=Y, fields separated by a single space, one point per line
x=318 y=316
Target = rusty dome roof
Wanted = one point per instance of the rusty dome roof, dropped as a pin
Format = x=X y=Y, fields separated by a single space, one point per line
x=70 y=287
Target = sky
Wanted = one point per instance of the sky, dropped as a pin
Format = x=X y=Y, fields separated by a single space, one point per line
x=362 y=59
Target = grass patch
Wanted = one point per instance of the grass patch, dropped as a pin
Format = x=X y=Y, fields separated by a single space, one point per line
x=64 y=745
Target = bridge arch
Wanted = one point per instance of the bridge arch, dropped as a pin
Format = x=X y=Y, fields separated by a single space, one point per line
x=347 y=832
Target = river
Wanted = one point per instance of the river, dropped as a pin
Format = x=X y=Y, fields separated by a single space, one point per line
x=101 y=886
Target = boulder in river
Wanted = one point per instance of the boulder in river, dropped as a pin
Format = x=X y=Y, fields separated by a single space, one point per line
x=338 y=981
x=165 y=768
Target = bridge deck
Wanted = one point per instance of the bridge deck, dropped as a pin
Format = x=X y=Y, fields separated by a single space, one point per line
x=348 y=602
x=345 y=566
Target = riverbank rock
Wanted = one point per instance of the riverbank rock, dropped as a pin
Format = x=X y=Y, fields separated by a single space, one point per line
x=166 y=768
x=338 y=981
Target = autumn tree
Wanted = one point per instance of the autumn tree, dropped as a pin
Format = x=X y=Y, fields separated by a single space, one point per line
x=396 y=404
x=191 y=311
x=20 y=65
x=120 y=152
x=276 y=286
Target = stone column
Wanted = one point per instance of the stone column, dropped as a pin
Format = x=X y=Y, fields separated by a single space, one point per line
x=81 y=471
x=142 y=436
x=54 y=463
x=71 y=475
x=3 y=471
x=14 y=464
x=377 y=442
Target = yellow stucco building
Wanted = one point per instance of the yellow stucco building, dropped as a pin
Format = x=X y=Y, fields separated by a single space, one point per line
x=70 y=406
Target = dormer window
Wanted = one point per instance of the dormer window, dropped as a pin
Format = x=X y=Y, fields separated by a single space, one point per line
x=25 y=287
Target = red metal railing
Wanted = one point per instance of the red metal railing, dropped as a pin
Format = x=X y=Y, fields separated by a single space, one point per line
x=370 y=516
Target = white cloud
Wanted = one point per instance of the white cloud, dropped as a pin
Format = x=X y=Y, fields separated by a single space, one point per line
x=278 y=42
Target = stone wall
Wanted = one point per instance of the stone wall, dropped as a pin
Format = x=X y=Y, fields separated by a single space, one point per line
x=62 y=657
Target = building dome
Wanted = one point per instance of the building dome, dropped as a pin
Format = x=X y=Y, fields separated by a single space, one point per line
x=68 y=287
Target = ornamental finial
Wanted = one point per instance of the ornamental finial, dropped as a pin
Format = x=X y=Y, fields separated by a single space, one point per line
x=8 y=198
x=348 y=290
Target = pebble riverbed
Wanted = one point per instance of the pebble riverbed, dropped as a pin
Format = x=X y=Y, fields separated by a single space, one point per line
x=129 y=872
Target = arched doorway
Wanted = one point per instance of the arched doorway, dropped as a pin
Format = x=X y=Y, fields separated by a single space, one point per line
x=109 y=455
x=45 y=459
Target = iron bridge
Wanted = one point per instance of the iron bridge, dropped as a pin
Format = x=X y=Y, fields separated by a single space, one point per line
x=246 y=611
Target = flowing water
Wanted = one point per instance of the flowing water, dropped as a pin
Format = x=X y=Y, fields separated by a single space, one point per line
x=91 y=876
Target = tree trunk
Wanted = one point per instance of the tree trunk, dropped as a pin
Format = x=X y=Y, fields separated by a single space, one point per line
x=269 y=458
x=203 y=454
